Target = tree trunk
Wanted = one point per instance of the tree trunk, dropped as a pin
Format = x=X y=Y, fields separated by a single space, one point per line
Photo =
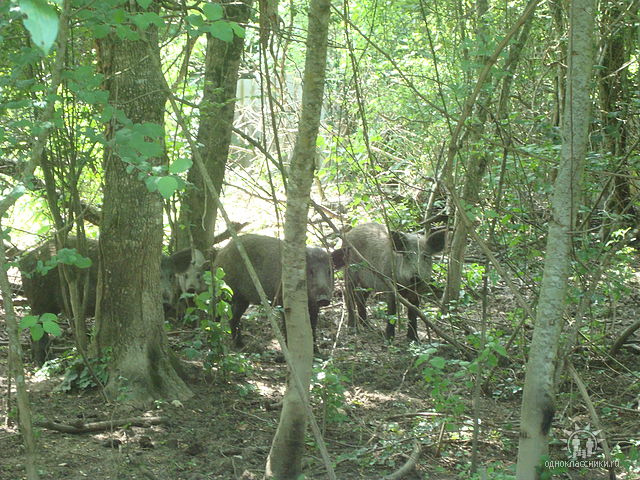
x=129 y=312
x=537 y=401
x=476 y=167
x=615 y=120
x=285 y=458
x=217 y=109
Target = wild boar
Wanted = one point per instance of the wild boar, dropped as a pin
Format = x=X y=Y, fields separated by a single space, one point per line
x=264 y=253
x=374 y=256
x=44 y=290
x=182 y=272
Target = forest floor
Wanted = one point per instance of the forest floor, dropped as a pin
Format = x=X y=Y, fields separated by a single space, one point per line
x=372 y=402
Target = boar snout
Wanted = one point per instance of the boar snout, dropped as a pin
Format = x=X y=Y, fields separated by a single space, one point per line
x=323 y=301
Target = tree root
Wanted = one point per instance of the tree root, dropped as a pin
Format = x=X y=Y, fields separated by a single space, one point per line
x=409 y=465
x=81 y=427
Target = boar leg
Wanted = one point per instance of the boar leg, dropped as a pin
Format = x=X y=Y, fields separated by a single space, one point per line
x=238 y=307
x=412 y=327
x=390 y=332
x=356 y=300
x=313 y=317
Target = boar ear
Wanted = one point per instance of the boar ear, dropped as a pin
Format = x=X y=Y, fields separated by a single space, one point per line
x=399 y=241
x=338 y=258
x=436 y=241
x=197 y=258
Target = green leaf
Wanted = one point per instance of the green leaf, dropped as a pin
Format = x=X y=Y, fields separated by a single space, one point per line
x=167 y=186
x=52 y=327
x=143 y=20
x=28 y=321
x=42 y=23
x=237 y=29
x=152 y=183
x=213 y=11
x=144 y=3
x=118 y=15
x=101 y=31
x=124 y=32
x=180 y=165
x=438 y=362
x=220 y=30
x=195 y=20
x=37 y=332
x=149 y=149
x=48 y=317
x=498 y=347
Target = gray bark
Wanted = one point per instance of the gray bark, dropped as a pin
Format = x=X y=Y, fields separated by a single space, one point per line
x=538 y=396
x=129 y=312
x=285 y=458
x=217 y=108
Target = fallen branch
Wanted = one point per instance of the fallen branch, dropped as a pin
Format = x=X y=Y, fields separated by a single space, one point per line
x=408 y=466
x=623 y=337
x=81 y=427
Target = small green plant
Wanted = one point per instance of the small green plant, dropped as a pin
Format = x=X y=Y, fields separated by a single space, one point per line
x=328 y=385
x=79 y=376
x=213 y=310
x=38 y=325
x=441 y=382
x=629 y=459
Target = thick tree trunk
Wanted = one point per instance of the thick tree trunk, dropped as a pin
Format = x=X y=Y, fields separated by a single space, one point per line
x=217 y=109
x=537 y=401
x=285 y=457
x=129 y=312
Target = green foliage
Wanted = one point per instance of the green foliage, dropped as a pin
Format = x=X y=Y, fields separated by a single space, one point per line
x=38 y=325
x=629 y=459
x=41 y=21
x=77 y=376
x=213 y=311
x=441 y=376
x=327 y=384
x=214 y=24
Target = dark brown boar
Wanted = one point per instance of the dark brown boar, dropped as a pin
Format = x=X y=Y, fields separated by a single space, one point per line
x=265 y=253
x=44 y=291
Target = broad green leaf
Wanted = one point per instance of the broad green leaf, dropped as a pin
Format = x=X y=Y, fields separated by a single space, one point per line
x=221 y=31
x=152 y=183
x=237 y=29
x=180 y=165
x=150 y=149
x=150 y=129
x=167 y=186
x=51 y=327
x=438 y=362
x=213 y=11
x=28 y=321
x=42 y=23
x=100 y=31
x=195 y=20
x=143 y=20
x=37 y=332
x=124 y=32
x=144 y=3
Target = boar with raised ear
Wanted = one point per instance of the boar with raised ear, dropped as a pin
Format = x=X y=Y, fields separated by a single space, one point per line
x=182 y=272
x=374 y=256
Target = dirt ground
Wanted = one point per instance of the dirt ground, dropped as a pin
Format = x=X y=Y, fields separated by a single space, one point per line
x=225 y=430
